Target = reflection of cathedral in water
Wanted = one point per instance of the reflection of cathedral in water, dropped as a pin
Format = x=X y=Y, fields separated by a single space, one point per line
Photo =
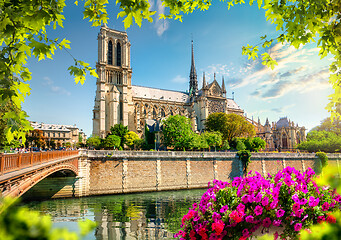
x=134 y=222
x=133 y=216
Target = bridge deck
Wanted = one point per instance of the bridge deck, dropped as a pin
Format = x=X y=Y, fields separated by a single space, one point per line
x=26 y=170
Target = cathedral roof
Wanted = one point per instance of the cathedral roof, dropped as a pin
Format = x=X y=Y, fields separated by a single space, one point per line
x=232 y=104
x=159 y=94
x=283 y=122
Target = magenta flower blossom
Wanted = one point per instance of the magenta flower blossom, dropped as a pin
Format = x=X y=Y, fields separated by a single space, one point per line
x=257 y=203
x=303 y=201
x=267 y=222
x=325 y=206
x=245 y=232
x=298 y=227
x=245 y=199
x=258 y=197
x=280 y=213
x=313 y=202
x=224 y=209
x=295 y=207
x=265 y=201
x=277 y=223
x=258 y=210
x=249 y=219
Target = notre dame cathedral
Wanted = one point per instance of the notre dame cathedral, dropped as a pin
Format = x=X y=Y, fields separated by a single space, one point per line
x=118 y=101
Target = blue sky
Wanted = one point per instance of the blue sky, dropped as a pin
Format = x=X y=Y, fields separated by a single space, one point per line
x=160 y=57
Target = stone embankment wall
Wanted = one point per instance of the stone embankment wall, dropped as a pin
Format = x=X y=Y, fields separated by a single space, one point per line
x=114 y=172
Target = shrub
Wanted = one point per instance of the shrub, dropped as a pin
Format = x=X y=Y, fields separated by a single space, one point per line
x=236 y=209
x=323 y=158
x=240 y=145
x=245 y=158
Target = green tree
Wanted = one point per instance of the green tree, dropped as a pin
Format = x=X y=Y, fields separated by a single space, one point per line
x=149 y=138
x=177 y=132
x=213 y=139
x=119 y=130
x=80 y=138
x=240 y=145
x=36 y=138
x=321 y=141
x=111 y=142
x=130 y=139
x=230 y=125
x=329 y=126
x=68 y=144
x=94 y=142
x=198 y=142
x=258 y=144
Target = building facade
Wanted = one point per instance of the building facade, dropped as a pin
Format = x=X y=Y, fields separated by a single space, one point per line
x=118 y=101
x=60 y=134
x=283 y=134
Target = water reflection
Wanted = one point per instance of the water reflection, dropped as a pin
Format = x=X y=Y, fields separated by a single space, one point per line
x=133 y=216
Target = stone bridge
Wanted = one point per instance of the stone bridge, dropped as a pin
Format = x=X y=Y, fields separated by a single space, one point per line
x=21 y=172
x=86 y=173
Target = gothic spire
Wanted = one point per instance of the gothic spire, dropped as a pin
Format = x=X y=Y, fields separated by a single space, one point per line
x=267 y=122
x=203 y=81
x=223 y=86
x=193 y=82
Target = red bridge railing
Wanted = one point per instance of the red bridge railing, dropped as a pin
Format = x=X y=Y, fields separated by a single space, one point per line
x=13 y=162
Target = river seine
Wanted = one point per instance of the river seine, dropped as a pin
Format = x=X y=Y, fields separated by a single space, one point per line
x=154 y=215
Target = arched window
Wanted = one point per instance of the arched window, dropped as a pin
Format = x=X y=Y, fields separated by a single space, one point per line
x=118 y=54
x=110 y=52
x=154 y=113
x=163 y=114
x=284 y=141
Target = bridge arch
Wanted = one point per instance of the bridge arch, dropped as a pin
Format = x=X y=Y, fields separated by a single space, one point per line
x=21 y=187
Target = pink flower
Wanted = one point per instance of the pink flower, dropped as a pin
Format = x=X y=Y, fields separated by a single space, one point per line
x=276 y=235
x=320 y=219
x=298 y=227
x=280 y=213
x=295 y=207
x=266 y=222
x=245 y=232
x=265 y=201
x=245 y=199
x=313 y=202
x=258 y=210
x=241 y=208
x=325 y=206
x=249 y=219
x=277 y=223
x=224 y=209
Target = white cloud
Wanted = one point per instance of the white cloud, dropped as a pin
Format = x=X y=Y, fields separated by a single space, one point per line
x=161 y=25
x=49 y=83
x=179 y=79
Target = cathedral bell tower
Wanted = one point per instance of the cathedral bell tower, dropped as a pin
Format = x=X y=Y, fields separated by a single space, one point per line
x=193 y=82
x=113 y=82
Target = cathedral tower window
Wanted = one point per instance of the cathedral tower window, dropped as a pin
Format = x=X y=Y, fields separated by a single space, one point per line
x=110 y=52
x=118 y=54
x=121 y=111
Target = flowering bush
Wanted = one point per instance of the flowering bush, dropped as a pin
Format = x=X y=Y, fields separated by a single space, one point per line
x=289 y=200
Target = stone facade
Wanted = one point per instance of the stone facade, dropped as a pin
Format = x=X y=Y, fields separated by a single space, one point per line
x=118 y=101
x=283 y=134
x=61 y=134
